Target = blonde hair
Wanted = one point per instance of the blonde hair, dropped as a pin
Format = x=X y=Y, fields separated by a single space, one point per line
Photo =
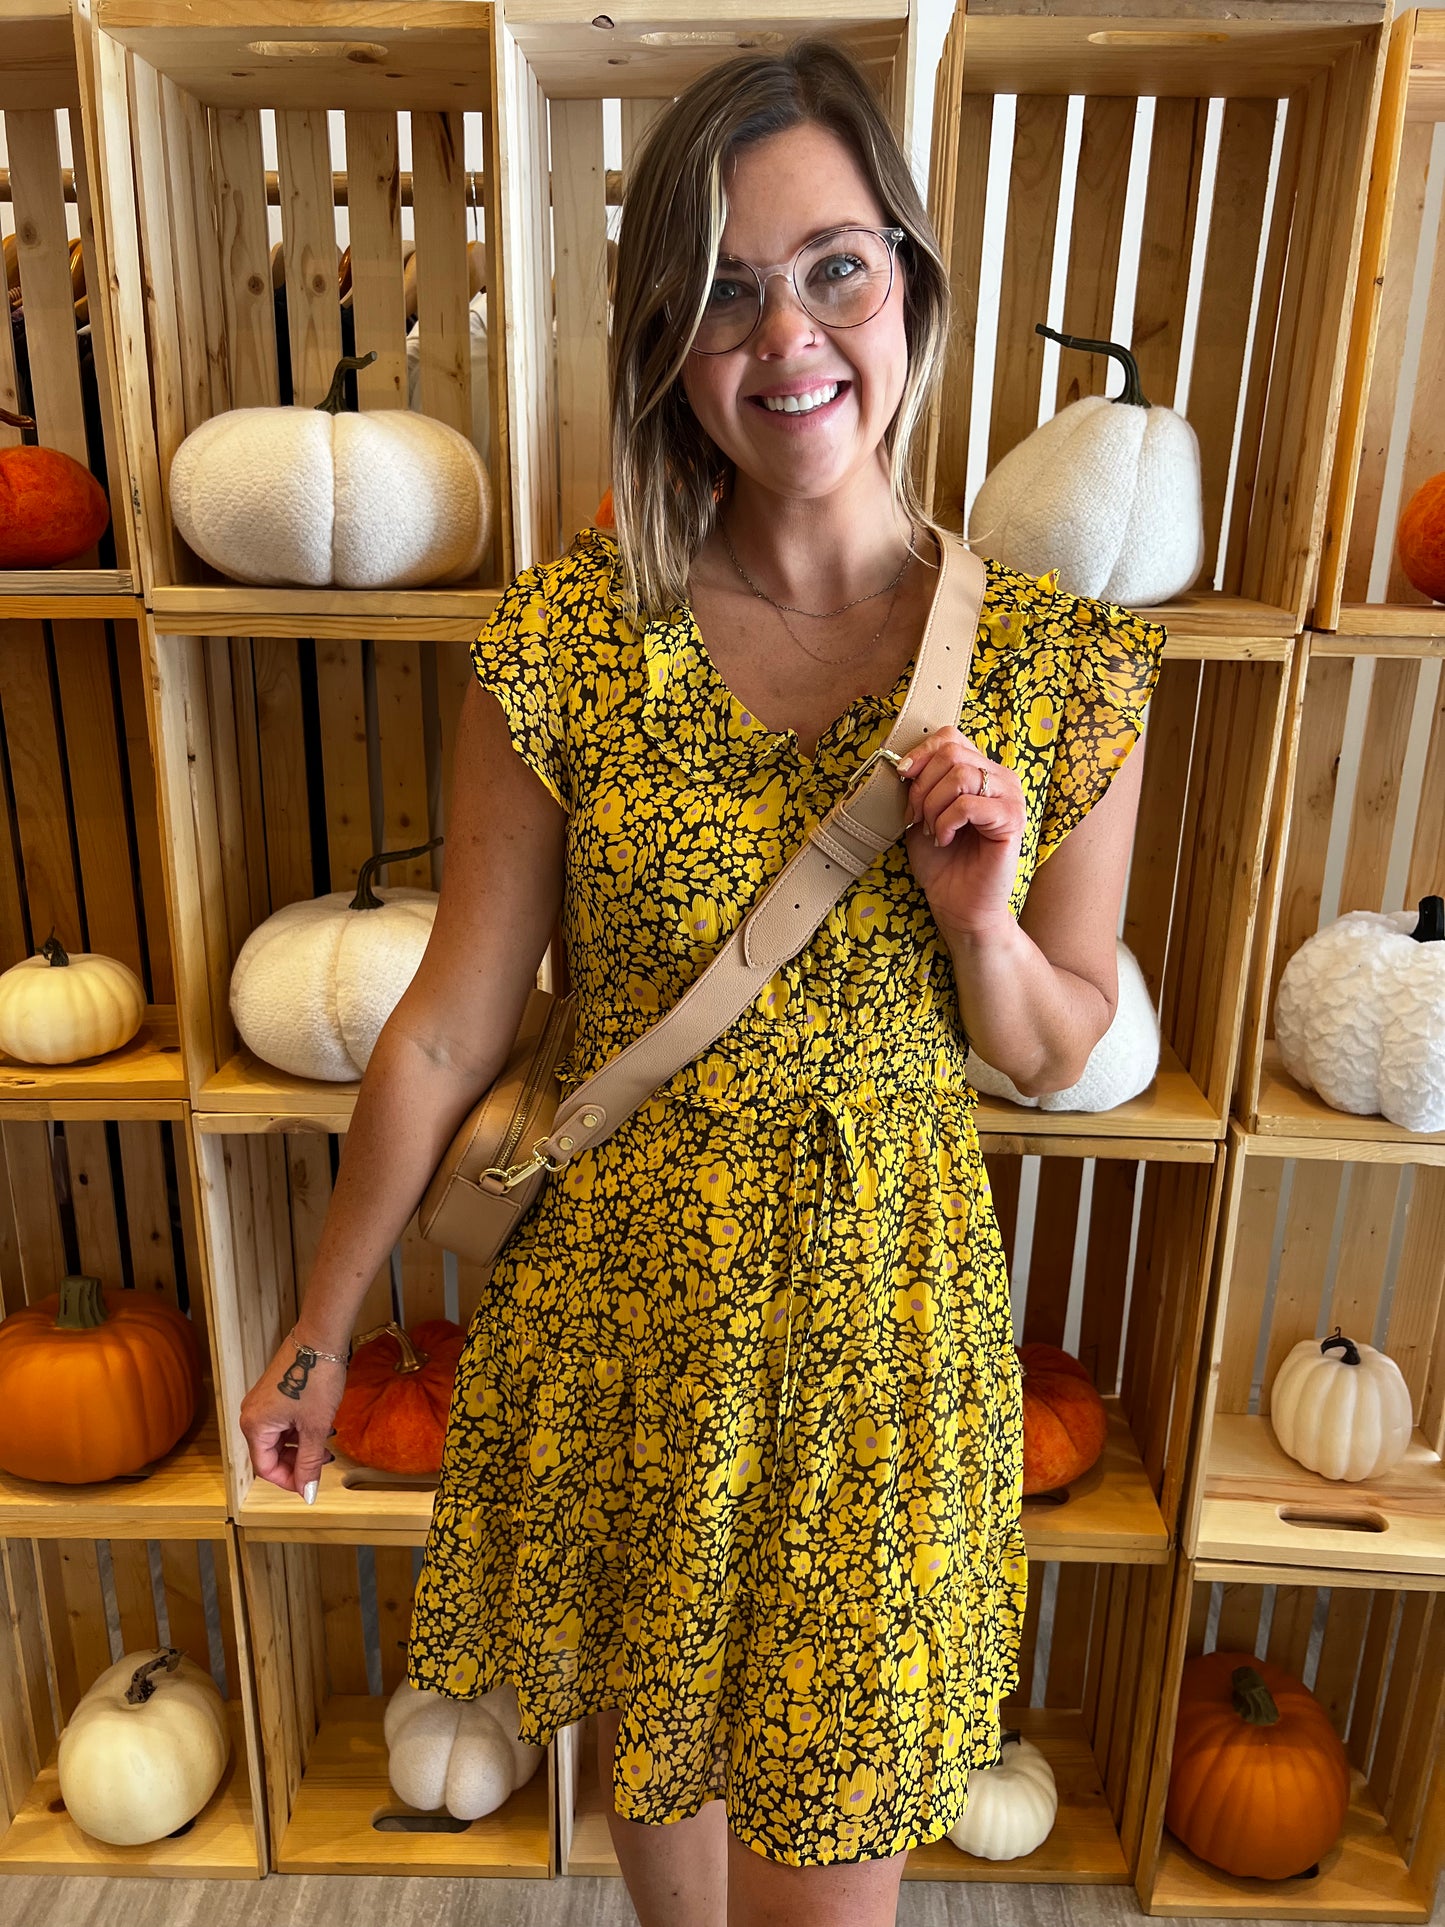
x=666 y=470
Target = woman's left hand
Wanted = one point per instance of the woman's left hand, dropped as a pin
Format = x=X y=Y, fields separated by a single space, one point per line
x=964 y=847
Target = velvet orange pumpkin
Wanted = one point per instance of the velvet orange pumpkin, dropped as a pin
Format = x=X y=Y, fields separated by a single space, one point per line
x=51 y=508
x=1421 y=538
x=94 y=1383
x=393 y=1413
x=1260 y=1783
x=1064 y=1420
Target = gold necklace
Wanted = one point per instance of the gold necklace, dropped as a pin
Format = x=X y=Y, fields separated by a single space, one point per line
x=817 y=615
x=840 y=662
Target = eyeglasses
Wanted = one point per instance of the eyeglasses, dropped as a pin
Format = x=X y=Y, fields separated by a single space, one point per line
x=840 y=279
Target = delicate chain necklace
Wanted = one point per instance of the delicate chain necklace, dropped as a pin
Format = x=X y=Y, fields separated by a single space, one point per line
x=839 y=662
x=818 y=615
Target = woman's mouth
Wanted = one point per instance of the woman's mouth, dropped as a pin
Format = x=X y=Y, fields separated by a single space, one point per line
x=806 y=404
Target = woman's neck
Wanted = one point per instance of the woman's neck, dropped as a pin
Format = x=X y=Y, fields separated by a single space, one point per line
x=817 y=553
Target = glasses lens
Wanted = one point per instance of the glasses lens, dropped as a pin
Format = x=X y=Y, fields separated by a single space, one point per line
x=731 y=311
x=843 y=279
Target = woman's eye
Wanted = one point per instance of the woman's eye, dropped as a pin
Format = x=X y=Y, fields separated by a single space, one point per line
x=834 y=268
x=723 y=294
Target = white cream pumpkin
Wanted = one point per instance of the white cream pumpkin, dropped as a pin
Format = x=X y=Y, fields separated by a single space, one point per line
x=319 y=497
x=1108 y=491
x=463 y=1755
x=1121 y=1064
x=1341 y=1408
x=145 y=1748
x=1359 y=1016
x=1011 y=1806
x=57 y=1008
x=314 y=983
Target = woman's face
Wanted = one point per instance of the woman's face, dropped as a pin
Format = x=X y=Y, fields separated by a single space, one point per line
x=782 y=192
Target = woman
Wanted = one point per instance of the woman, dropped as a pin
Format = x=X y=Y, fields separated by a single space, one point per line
x=734 y=1455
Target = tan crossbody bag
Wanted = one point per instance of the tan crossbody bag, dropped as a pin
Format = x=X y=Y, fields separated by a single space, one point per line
x=481 y=1190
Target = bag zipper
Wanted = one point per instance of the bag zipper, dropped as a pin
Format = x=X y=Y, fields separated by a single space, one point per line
x=537 y=1071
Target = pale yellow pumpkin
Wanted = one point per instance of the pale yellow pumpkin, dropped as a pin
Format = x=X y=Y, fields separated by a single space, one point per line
x=57 y=1008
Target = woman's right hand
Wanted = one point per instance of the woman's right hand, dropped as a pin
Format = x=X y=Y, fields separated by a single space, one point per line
x=287 y=1430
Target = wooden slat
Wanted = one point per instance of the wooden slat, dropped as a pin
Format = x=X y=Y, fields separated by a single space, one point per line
x=1322 y=731
x=147 y=1209
x=1239 y=1615
x=193 y=240
x=1415 y=1338
x=32 y=1201
x=1167 y=750
x=1111 y=1220
x=75 y=1611
x=1051 y=1257
x=140 y=774
x=41 y=810
x=1101 y=183
x=1248 y=1281
x=1075 y=1603
x=134 y=1593
x=1171 y=202
x=341 y=1605
x=1426 y=441
x=394 y=1589
x=23 y=1584
x=283 y=771
x=1377 y=785
x=1427 y=849
x=374 y=211
x=1290 y=1627
x=579 y=231
x=439 y=214
x=185 y=1605
x=44 y=252
x=237 y=1686
x=92 y=1198
x=637 y=117
x=341 y=699
x=403 y=764
x=1313 y=1202
x=163 y=323
x=1364 y=1249
x=308 y=236
x=1335 y=1676
x=1408 y=1682
x=245 y=253
x=20 y=1757
x=1033 y=210
x=964 y=235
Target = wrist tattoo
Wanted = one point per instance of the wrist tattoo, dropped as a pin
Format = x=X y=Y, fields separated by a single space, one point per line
x=294 y=1379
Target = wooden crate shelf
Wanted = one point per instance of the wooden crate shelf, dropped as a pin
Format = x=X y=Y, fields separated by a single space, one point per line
x=1392 y=421
x=387 y=615
x=330 y=1623
x=1373 y=1654
x=187 y=97
x=1383 y=1283
x=57 y=363
x=143 y=1078
x=59 y=1595
x=182 y=1496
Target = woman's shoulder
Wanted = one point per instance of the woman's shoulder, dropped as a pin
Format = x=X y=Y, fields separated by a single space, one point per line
x=1027 y=617
x=578 y=586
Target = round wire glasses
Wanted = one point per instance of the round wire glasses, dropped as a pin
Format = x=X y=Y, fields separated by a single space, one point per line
x=840 y=279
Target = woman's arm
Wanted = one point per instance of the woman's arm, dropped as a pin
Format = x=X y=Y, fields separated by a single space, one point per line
x=444 y=1043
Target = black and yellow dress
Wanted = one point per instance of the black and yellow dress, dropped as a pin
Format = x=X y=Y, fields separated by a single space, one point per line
x=736 y=1438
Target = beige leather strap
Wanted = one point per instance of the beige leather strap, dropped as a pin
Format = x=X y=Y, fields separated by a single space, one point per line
x=854 y=834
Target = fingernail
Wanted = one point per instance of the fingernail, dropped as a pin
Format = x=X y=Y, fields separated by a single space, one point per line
x=309 y=1494
x=905 y=766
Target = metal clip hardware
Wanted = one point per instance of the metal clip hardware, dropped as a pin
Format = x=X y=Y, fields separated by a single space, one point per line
x=511 y=1176
x=864 y=769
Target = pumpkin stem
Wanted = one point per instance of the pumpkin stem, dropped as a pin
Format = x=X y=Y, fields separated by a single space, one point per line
x=82 y=1304
x=1431 y=927
x=16 y=421
x=1349 y=1355
x=1012 y=1737
x=1253 y=1700
x=55 y=952
x=366 y=898
x=411 y=1359
x=141 y=1684
x=333 y=400
x=1133 y=391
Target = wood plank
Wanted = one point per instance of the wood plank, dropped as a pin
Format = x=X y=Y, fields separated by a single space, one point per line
x=403 y=762
x=308 y=239
x=1376 y=799
x=1153 y=867
x=373 y=203
x=185 y=1605
x=44 y=253
x=1427 y=850
x=32 y=1200
x=1171 y=203
x=140 y=776
x=193 y=242
x=75 y=1606
x=1415 y=1337
x=42 y=812
x=245 y=254
x=1111 y=1223
x=285 y=803
x=579 y=233
x=341 y=699
x=1314 y=1199
x=1322 y=732
x=134 y=1593
x=1247 y=1284
x=1051 y=1258
x=394 y=1589
x=97 y=789
x=964 y=237
x=92 y=1198
x=341 y=1607
x=439 y=216
x=1033 y=212
x=1364 y=1249
x=1096 y=229
x=162 y=322
x=1425 y=444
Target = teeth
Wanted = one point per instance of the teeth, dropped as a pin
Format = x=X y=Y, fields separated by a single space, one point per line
x=800 y=404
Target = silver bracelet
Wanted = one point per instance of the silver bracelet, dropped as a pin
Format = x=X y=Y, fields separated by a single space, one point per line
x=311 y=1354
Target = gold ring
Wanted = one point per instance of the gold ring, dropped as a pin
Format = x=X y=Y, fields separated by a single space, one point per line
x=983 y=783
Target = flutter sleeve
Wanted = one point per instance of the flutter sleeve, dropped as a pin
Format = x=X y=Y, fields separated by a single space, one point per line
x=521 y=659
x=1109 y=661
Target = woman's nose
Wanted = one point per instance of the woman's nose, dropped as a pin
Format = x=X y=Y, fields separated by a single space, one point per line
x=786 y=324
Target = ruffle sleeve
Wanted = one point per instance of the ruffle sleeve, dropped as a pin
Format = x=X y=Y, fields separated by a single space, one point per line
x=1111 y=662
x=520 y=658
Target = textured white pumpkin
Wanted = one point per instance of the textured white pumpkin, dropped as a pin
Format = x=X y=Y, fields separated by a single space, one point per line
x=314 y=983
x=1121 y=1064
x=1341 y=1408
x=56 y=1008
x=463 y=1755
x=481 y=380
x=1011 y=1806
x=1360 y=1015
x=145 y=1748
x=1106 y=491
x=318 y=497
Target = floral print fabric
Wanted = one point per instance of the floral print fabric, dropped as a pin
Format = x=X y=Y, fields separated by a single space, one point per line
x=736 y=1438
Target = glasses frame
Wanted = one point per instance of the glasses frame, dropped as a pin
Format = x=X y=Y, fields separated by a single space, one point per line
x=891 y=237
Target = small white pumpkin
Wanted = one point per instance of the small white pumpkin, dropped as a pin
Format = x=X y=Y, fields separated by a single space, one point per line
x=1341 y=1408
x=57 y=1008
x=1108 y=491
x=318 y=496
x=463 y=1755
x=1360 y=1015
x=1121 y=1064
x=314 y=983
x=145 y=1748
x=1011 y=1806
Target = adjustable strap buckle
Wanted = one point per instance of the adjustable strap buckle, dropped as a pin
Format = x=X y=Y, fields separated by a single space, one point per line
x=510 y=1176
x=865 y=769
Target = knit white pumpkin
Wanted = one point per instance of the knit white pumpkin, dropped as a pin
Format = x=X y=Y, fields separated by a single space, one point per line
x=1121 y=1064
x=481 y=389
x=57 y=1007
x=463 y=1755
x=1106 y=491
x=318 y=497
x=1360 y=1015
x=1011 y=1806
x=314 y=983
x=145 y=1748
x=1341 y=1408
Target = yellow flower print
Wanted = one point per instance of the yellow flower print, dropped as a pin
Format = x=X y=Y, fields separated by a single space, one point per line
x=1050 y=582
x=799 y=1668
x=953 y=1738
x=647 y=1447
x=579 y=1178
x=543 y=1456
x=632 y=1312
x=1113 y=749
x=867 y=914
x=765 y=810
x=707 y=1676
x=608 y=1371
x=534 y=620
x=565 y=1634
x=815 y=1018
x=1042 y=722
x=913 y=1661
x=463 y=1675
x=701 y=922
x=723 y=1235
x=914 y=1306
x=714 y=1075
x=642 y=994
x=715 y=1183
x=612 y=813
x=772 y=999
x=930 y=1562
x=867 y=1182
x=802 y=1726
x=739 y=1474
x=472 y=1527
x=857 y=1790
x=872 y=1442
x=481 y=1400
x=635 y=1766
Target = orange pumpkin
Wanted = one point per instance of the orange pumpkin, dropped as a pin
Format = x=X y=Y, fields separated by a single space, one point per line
x=51 y=508
x=1260 y=1784
x=606 y=517
x=1064 y=1419
x=393 y=1413
x=94 y=1383
x=1421 y=538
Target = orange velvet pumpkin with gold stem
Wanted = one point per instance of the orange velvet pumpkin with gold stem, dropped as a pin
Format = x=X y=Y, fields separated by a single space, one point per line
x=1065 y=1422
x=1421 y=538
x=94 y=1383
x=393 y=1413
x=51 y=508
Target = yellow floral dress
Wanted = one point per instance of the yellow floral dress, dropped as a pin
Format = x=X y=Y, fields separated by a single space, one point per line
x=736 y=1438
